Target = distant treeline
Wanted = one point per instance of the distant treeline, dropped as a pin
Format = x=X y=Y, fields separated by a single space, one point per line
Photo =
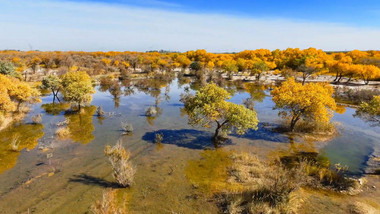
x=354 y=64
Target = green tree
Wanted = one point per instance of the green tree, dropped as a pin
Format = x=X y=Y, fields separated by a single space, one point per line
x=77 y=87
x=258 y=68
x=209 y=106
x=7 y=68
x=195 y=66
x=53 y=83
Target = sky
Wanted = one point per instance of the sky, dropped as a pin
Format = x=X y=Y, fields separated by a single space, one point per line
x=214 y=25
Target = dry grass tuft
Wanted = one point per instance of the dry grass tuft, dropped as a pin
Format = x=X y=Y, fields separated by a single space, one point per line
x=267 y=187
x=123 y=171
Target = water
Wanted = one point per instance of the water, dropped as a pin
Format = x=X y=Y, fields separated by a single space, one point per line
x=50 y=175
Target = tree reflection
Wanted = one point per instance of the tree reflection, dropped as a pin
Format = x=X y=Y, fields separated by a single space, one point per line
x=210 y=172
x=24 y=136
x=115 y=91
x=80 y=125
x=256 y=91
x=55 y=108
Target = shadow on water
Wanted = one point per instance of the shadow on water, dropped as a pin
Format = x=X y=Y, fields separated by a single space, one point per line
x=266 y=132
x=93 y=181
x=188 y=138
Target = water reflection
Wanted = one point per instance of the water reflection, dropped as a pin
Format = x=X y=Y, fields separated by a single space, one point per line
x=55 y=108
x=80 y=124
x=210 y=173
x=16 y=138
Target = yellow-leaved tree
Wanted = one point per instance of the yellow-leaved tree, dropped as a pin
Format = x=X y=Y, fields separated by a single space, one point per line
x=6 y=104
x=22 y=92
x=312 y=101
x=209 y=106
x=77 y=87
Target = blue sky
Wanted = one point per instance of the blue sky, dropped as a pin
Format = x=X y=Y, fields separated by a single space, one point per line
x=351 y=12
x=182 y=25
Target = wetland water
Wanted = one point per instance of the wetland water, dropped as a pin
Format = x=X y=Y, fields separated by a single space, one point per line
x=50 y=175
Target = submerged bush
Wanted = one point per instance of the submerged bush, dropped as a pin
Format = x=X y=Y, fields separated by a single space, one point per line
x=123 y=171
x=151 y=111
x=159 y=137
x=100 y=112
x=127 y=127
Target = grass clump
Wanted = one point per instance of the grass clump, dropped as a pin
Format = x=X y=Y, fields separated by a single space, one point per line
x=266 y=187
x=273 y=186
x=123 y=170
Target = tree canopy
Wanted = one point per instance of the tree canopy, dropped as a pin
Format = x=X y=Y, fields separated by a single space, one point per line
x=52 y=83
x=77 y=87
x=312 y=101
x=209 y=106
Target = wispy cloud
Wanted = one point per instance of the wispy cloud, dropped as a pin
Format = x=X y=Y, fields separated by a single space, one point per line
x=64 y=25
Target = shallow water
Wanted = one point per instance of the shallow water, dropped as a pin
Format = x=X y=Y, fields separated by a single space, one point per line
x=49 y=175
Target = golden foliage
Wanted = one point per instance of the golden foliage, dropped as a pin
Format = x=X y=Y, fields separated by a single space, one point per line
x=312 y=101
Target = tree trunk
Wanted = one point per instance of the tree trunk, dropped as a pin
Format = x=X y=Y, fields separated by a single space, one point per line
x=303 y=80
x=18 y=106
x=216 y=134
x=336 y=77
x=258 y=77
x=349 y=79
x=293 y=122
x=217 y=130
x=340 y=77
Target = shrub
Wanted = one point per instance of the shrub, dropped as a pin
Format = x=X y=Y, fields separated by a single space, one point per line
x=123 y=171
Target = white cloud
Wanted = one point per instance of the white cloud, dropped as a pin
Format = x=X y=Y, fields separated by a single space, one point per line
x=57 y=25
